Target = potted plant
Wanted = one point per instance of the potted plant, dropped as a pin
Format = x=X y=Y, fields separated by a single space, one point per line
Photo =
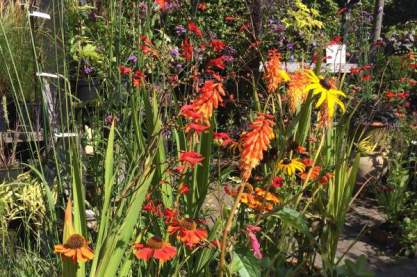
x=86 y=60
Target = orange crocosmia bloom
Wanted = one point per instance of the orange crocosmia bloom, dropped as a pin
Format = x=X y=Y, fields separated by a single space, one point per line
x=124 y=70
x=187 y=232
x=147 y=46
x=183 y=188
x=255 y=142
x=193 y=28
x=76 y=248
x=274 y=75
x=189 y=112
x=217 y=45
x=315 y=172
x=191 y=158
x=155 y=248
x=223 y=139
x=326 y=178
x=218 y=63
x=210 y=97
x=137 y=78
x=187 y=49
x=202 y=6
x=198 y=128
x=296 y=92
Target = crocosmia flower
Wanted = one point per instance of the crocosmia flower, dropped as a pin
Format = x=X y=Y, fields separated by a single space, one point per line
x=195 y=127
x=187 y=49
x=155 y=248
x=193 y=28
x=191 y=158
x=217 y=45
x=124 y=70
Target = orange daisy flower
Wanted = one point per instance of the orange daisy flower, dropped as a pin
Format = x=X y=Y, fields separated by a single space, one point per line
x=254 y=143
x=155 y=248
x=274 y=75
x=187 y=232
x=258 y=199
x=76 y=248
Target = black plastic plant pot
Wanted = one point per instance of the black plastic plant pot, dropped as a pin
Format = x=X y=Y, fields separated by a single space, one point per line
x=9 y=173
x=87 y=89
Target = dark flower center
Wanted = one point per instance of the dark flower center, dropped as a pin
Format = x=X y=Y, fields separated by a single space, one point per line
x=75 y=241
x=155 y=243
x=324 y=83
x=286 y=161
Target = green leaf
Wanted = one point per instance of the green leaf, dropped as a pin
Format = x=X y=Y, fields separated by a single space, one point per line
x=245 y=264
x=294 y=219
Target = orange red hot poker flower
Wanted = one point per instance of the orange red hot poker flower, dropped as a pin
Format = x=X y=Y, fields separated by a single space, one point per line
x=274 y=75
x=254 y=143
x=201 y=109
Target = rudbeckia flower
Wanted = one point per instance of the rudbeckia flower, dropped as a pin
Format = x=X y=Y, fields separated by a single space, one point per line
x=187 y=232
x=327 y=91
x=155 y=248
x=290 y=167
x=76 y=248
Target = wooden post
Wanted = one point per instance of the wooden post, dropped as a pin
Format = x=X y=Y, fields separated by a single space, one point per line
x=378 y=15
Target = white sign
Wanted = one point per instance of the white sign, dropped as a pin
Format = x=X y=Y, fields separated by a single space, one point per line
x=336 y=54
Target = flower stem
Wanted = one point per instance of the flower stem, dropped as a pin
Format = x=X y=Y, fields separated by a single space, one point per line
x=227 y=229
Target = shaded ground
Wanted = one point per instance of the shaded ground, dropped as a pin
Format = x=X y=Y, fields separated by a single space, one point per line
x=373 y=243
x=361 y=219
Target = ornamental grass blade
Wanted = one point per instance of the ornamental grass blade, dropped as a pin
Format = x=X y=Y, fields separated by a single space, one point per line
x=108 y=188
x=122 y=235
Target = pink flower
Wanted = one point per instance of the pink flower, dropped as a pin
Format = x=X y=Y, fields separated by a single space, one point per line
x=256 y=247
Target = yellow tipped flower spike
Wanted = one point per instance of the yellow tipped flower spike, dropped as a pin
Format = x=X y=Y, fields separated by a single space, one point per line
x=327 y=92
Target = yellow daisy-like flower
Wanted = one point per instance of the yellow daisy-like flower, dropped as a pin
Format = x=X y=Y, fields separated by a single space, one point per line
x=290 y=167
x=327 y=91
